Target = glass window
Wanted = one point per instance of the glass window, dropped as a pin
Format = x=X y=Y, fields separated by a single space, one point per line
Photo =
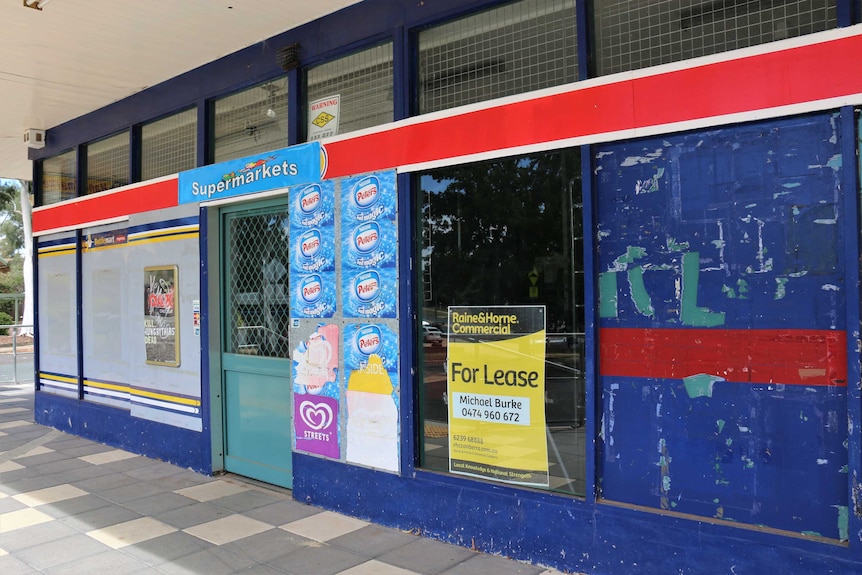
x=515 y=48
x=251 y=121
x=632 y=35
x=350 y=93
x=507 y=233
x=108 y=163
x=169 y=145
x=59 y=178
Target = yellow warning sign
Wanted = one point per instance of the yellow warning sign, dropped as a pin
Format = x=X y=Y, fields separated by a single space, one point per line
x=322 y=119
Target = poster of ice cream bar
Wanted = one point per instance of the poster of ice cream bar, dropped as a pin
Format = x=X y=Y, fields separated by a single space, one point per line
x=371 y=370
x=316 y=420
x=369 y=246
x=313 y=245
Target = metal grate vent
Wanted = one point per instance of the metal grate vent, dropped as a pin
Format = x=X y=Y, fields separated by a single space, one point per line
x=288 y=57
x=59 y=180
x=168 y=146
x=258 y=292
x=633 y=35
x=516 y=48
x=108 y=163
x=251 y=121
x=364 y=83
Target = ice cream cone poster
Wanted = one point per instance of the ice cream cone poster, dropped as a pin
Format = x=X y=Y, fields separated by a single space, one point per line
x=371 y=367
x=317 y=393
x=496 y=389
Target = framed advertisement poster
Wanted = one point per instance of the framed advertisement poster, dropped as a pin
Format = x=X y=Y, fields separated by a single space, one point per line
x=161 y=328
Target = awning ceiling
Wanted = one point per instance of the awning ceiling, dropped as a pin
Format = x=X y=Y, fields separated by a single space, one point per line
x=73 y=57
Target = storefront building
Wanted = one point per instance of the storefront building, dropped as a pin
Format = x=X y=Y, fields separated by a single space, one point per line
x=575 y=283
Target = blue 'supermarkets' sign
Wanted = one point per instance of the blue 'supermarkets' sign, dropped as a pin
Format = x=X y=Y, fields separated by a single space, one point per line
x=266 y=171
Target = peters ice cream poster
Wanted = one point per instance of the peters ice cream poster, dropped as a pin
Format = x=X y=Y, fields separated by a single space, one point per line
x=370 y=363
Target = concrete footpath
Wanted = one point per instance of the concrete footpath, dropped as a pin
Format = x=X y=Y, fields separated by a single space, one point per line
x=69 y=505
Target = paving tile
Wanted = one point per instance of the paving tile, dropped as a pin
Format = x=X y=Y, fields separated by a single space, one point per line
x=9 y=565
x=130 y=532
x=7 y=505
x=192 y=515
x=166 y=548
x=155 y=471
x=374 y=567
x=158 y=503
x=100 y=518
x=130 y=492
x=74 y=506
x=88 y=448
x=213 y=561
x=49 y=495
x=268 y=545
x=426 y=556
x=39 y=481
x=10 y=466
x=113 y=562
x=263 y=569
x=324 y=526
x=14 y=423
x=212 y=490
x=58 y=466
x=88 y=472
x=41 y=450
x=373 y=540
x=14 y=541
x=102 y=483
x=57 y=552
x=103 y=457
x=22 y=518
x=181 y=480
x=65 y=442
x=247 y=500
x=317 y=560
x=129 y=463
x=481 y=564
x=31 y=459
x=228 y=529
x=282 y=512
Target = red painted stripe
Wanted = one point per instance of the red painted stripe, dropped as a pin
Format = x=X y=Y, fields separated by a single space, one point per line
x=792 y=76
x=789 y=356
x=738 y=85
x=123 y=202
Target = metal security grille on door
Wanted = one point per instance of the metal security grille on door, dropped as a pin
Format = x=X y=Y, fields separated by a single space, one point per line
x=258 y=296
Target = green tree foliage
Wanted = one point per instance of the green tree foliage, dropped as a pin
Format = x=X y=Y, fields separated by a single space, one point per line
x=488 y=224
x=11 y=241
x=11 y=226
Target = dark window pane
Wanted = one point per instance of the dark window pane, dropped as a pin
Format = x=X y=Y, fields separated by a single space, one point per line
x=508 y=232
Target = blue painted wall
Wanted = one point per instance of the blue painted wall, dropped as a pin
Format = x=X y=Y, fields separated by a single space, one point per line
x=760 y=206
x=115 y=427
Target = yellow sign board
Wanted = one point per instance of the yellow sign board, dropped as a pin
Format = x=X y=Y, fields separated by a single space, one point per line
x=496 y=391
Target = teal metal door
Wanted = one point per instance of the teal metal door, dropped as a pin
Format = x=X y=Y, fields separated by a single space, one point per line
x=255 y=347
